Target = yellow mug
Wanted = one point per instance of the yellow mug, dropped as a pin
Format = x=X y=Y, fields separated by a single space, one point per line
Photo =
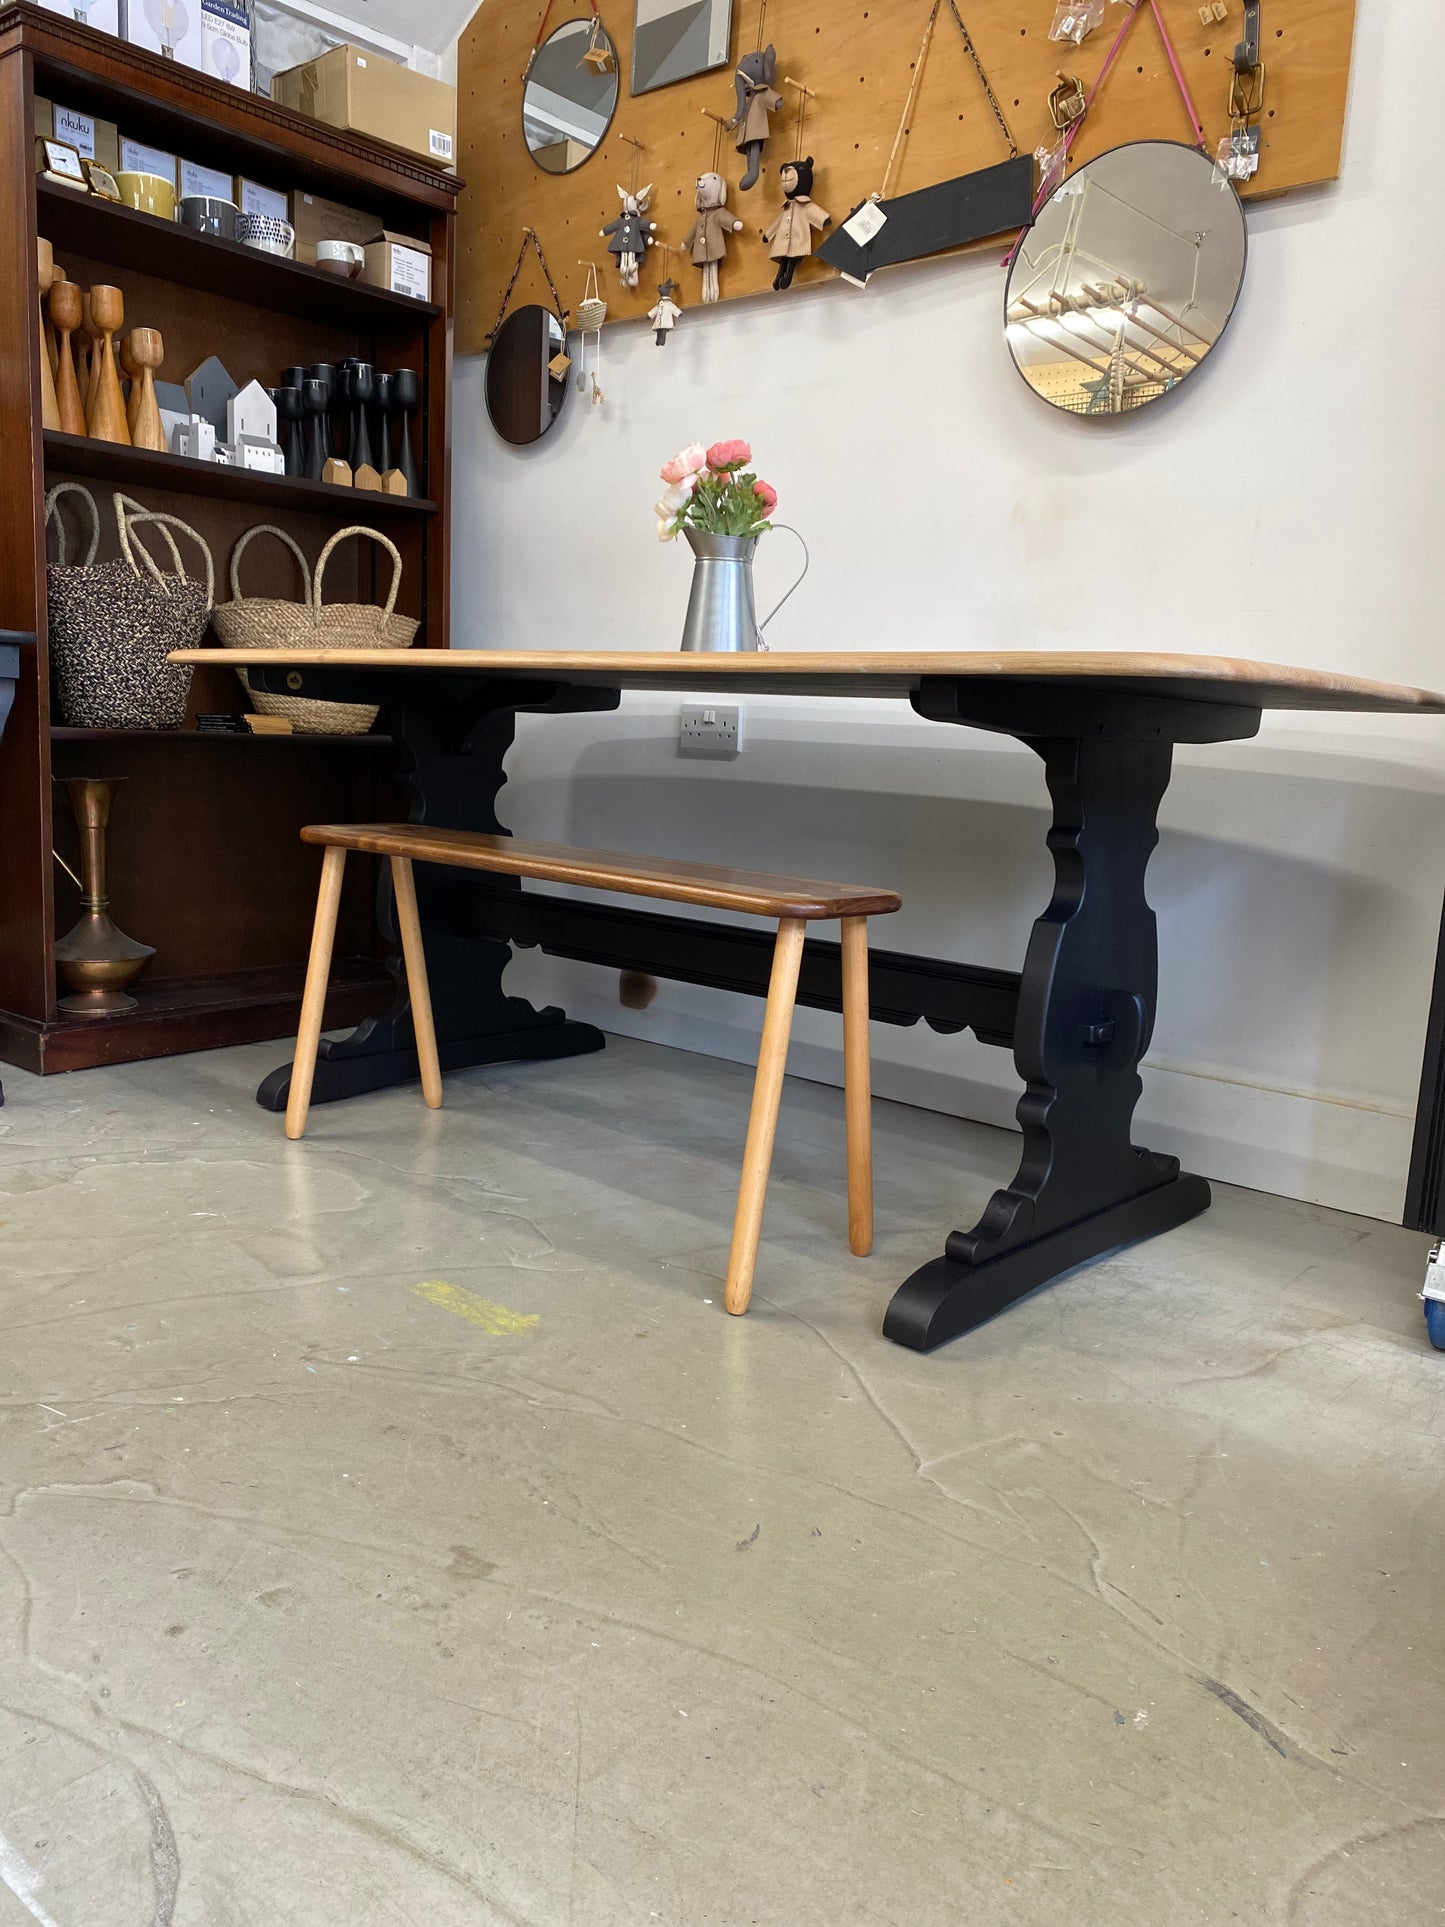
x=151 y=193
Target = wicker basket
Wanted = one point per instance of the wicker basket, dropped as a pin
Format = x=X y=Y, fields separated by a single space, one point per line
x=308 y=625
x=111 y=630
x=591 y=309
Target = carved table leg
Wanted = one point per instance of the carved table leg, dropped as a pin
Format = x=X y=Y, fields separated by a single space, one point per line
x=453 y=741
x=1085 y=1017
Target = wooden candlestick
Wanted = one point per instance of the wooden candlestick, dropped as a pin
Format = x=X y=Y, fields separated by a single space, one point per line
x=85 y=363
x=49 y=404
x=130 y=369
x=57 y=273
x=65 y=313
x=146 y=351
x=106 y=418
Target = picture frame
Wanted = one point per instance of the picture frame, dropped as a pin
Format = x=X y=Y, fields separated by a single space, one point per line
x=675 y=40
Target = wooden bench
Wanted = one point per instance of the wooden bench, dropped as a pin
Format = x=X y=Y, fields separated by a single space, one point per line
x=793 y=901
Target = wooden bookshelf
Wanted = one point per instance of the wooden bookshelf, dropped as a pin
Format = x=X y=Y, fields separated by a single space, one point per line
x=206 y=863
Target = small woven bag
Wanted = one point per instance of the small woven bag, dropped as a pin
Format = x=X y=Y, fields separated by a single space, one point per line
x=341 y=625
x=111 y=629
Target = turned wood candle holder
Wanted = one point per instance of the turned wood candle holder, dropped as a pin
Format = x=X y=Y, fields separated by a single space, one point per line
x=105 y=418
x=145 y=349
x=45 y=274
x=65 y=306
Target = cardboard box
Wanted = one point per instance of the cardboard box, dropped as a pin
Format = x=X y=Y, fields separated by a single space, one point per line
x=364 y=94
x=226 y=42
x=92 y=138
x=171 y=28
x=137 y=158
x=315 y=219
x=103 y=15
x=399 y=263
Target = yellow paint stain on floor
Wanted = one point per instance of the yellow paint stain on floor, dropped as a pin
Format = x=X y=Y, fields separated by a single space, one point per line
x=496 y=1319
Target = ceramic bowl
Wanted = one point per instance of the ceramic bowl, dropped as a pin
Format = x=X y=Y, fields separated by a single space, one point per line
x=340 y=257
x=266 y=234
x=208 y=216
x=151 y=193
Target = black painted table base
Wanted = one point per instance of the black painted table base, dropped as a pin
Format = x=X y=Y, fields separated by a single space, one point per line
x=1078 y=1017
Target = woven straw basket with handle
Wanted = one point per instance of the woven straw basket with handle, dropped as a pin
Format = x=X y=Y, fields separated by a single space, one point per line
x=258 y=622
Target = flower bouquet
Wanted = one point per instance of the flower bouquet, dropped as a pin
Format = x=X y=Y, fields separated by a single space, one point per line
x=714 y=491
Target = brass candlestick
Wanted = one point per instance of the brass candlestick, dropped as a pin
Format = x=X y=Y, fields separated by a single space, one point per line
x=96 y=960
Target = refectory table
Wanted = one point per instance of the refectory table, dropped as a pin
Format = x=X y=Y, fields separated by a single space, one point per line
x=1078 y=1016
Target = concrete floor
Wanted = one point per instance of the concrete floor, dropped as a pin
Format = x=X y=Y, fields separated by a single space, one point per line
x=396 y=1530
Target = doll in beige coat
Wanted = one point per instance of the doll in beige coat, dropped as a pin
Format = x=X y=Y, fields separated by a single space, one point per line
x=791 y=235
x=707 y=239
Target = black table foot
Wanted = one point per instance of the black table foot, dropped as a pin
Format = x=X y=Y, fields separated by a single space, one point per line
x=344 y=1071
x=950 y=1296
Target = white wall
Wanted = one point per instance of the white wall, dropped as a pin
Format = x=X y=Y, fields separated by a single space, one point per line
x=1285 y=506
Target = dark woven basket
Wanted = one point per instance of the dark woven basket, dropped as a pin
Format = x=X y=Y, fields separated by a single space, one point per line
x=112 y=626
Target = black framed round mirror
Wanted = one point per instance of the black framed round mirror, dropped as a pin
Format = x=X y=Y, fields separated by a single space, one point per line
x=1127 y=279
x=524 y=392
x=570 y=96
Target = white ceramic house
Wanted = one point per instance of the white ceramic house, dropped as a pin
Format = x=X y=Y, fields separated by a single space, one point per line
x=251 y=414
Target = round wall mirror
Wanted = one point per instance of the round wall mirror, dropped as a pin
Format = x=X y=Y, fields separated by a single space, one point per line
x=571 y=95
x=524 y=397
x=1126 y=280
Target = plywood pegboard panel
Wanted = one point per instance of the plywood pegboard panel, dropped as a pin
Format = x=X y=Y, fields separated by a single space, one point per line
x=858 y=57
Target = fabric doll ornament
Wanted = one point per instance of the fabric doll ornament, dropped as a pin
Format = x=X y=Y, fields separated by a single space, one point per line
x=629 y=236
x=757 y=101
x=707 y=238
x=666 y=315
x=791 y=234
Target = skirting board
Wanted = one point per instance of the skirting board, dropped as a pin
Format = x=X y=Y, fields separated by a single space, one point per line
x=1289 y=1144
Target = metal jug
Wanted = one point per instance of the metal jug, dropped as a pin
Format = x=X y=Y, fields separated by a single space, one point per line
x=721 y=612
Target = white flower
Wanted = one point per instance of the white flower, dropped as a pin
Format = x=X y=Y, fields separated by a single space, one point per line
x=678 y=496
x=666 y=530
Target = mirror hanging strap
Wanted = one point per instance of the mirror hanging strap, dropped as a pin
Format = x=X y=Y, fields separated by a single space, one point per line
x=529 y=239
x=540 y=41
x=1201 y=139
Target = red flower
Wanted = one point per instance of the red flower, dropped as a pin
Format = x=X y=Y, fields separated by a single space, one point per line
x=724 y=457
x=767 y=495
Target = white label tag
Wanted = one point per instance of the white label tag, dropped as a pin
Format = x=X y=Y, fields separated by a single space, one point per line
x=262 y=200
x=78 y=129
x=136 y=159
x=868 y=221
x=411 y=273
x=441 y=144
x=204 y=182
x=359 y=61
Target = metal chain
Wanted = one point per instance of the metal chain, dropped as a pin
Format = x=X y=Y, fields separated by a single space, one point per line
x=529 y=235
x=998 y=113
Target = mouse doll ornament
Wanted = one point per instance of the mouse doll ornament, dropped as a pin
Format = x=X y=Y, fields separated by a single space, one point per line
x=757 y=102
x=791 y=235
x=630 y=236
x=707 y=239
x=666 y=315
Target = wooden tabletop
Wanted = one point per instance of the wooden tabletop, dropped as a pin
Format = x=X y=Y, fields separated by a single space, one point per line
x=1260 y=685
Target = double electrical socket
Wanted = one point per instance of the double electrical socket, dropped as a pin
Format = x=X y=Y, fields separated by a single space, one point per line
x=713 y=731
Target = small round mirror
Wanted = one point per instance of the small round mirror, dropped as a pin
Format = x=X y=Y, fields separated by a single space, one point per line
x=524 y=392
x=1127 y=279
x=571 y=95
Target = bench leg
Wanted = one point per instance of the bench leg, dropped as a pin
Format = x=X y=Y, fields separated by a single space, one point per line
x=763 y=1122
x=318 y=974
x=403 y=885
x=857 y=1085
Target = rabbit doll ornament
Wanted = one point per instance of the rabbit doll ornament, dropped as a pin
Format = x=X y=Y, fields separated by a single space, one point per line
x=630 y=236
x=707 y=239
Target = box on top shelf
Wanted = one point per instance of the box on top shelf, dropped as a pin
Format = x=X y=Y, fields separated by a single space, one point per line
x=399 y=264
x=363 y=94
x=103 y=15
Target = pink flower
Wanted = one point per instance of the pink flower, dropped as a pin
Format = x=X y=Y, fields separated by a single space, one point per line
x=724 y=457
x=692 y=460
x=767 y=495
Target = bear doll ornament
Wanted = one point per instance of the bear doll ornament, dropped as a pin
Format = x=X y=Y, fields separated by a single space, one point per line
x=757 y=102
x=630 y=236
x=791 y=235
x=665 y=316
x=707 y=239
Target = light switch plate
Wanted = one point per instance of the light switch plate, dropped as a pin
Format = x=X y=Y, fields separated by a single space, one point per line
x=712 y=731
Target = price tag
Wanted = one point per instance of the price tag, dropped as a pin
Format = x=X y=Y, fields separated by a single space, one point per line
x=861 y=227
